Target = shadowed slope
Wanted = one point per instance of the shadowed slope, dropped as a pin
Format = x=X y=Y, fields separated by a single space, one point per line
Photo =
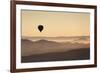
x=79 y=54
x=45 y=46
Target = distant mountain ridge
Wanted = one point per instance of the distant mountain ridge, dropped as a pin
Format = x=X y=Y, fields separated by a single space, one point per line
x=44 y=46
x=44 y=41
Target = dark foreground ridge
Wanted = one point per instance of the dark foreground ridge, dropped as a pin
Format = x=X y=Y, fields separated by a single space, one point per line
x=79 y=54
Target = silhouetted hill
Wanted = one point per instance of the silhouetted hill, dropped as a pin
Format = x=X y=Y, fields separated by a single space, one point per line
x=79 y=54
x=26 y=41
x=45 y=41
x=44 y=46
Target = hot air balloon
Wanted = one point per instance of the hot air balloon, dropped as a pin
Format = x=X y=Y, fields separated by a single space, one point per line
x=40 y=28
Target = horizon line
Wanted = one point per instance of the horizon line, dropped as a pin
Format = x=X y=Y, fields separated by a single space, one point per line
x=56 y=36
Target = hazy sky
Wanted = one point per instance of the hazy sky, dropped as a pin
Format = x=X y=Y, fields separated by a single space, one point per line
x=55 y=23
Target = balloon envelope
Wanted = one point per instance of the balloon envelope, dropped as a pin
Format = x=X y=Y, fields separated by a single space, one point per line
x=40 y=28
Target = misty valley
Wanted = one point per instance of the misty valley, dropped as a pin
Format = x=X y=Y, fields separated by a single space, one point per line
x=41 y=49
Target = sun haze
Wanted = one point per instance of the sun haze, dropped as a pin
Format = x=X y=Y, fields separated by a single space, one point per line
x=55 y=23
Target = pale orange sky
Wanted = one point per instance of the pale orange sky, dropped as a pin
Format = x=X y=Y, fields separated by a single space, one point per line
x=55 y=23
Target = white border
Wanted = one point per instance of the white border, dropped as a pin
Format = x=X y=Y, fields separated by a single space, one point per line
x=20 y=65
